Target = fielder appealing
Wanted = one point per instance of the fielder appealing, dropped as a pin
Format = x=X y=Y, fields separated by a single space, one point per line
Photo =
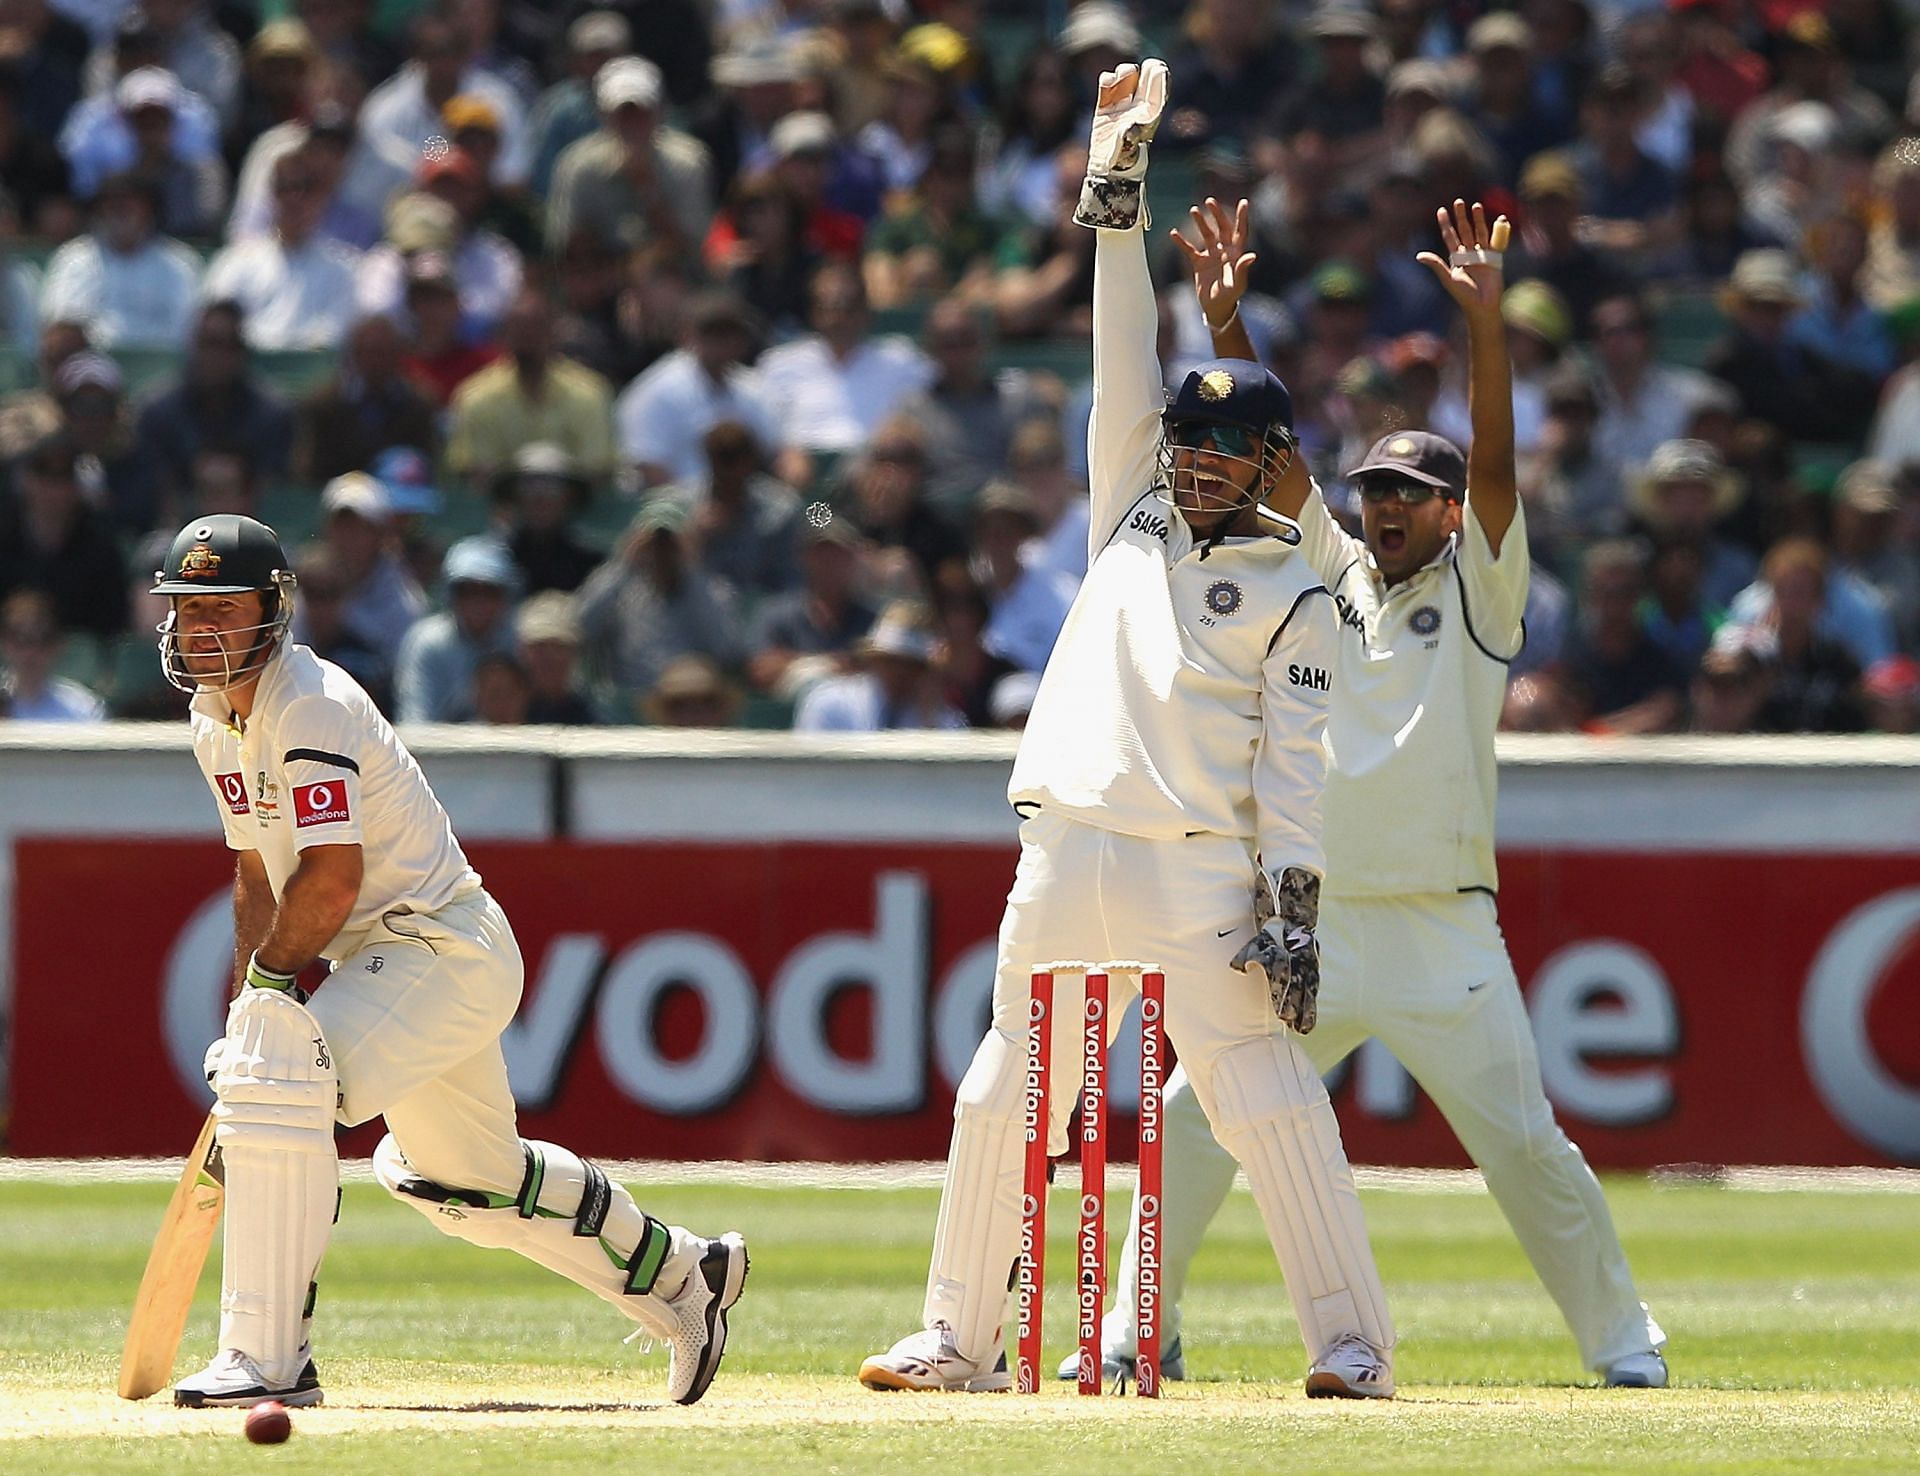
x=1430 y=606
x=1172 y=760
x=343 y=853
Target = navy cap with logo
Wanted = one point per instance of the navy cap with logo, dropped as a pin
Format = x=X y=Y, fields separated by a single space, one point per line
x=1421 y=456
x=1231 y=392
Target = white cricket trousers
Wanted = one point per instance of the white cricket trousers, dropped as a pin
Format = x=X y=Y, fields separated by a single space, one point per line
x=1186 y=905
x=1430 y=976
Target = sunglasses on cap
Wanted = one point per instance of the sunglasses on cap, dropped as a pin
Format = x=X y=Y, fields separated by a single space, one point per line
x=1402 y=489
x=1203 y=435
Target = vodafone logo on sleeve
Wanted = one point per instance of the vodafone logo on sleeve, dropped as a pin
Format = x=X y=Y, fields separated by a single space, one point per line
x=320 y=804
x=233 y=789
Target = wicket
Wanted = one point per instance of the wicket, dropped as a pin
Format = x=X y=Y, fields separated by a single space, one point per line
x=1091 y=1246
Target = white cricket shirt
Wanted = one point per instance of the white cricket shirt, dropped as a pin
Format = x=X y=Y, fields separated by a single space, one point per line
x=317 y=765
x=1185 y=695
x=1422 y=675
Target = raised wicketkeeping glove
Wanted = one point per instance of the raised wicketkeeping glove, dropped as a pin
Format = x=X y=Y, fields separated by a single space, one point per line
x=1285 y=951
x=1124 y=120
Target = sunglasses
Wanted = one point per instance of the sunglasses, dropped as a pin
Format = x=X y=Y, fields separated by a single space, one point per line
x=1227 y=440
x=1409 y=492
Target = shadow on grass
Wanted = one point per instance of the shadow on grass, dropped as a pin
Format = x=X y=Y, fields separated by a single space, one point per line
x=506 y=1406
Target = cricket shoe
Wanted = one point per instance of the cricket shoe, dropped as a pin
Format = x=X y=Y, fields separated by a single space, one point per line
x=697 y=1337
x=1124 y=1367
x=1638 y=1371
x=929 y=1360
x=1350 y=1369
x=234 y=1380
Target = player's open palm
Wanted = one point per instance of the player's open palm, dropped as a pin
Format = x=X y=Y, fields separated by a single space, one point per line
x=1125 y=119
x=1218 y=258
x=1472 y=272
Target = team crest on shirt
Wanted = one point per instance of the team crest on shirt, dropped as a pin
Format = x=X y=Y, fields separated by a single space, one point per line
x=1425 y=621
x=1224 y=597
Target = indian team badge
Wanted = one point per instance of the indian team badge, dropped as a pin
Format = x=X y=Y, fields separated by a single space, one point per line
x=1224 y=597
x=1425 y=620
x=1216 y=385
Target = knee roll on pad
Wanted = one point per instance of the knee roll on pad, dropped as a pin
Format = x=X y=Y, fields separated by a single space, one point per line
x=276 y=1084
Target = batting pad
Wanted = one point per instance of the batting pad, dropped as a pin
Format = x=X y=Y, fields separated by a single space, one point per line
x=1272 y=1114
x=274 y=1125
x=978 y=1234
x=567 y=1216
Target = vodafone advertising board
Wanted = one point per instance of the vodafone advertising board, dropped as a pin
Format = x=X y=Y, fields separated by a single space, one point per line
x=800 y=999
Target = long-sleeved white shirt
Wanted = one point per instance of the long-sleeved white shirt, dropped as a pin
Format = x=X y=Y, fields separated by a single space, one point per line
x=141 y=299
x=1186 y=694
x=296 y=297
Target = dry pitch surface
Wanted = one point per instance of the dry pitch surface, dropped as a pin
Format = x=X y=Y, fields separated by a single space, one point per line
x=1793 y=1312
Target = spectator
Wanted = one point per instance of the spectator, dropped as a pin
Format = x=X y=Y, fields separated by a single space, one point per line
x=1837 y=322
x=294 y=287
x=52 y=541
x=835 y=187
x=321 y=623
x=1851 y=616
x=1050 y=288
x=150 y=126
x=187 y=42
x=1012 y=700
x=1870 y=545
x=540 y=495
x=1548 y=244
x=1891 y=692
x=486 y=270
x=1037 y=119
x=30 y=648
x=406 y=476
x=1099 y=36
x=1642 y=403
x=1717 y=234
x=365 y=408
x=281 y=59
x=811 y=631
x=403 y=113
x=888 y=504
x=501 y=693
x=221 y=479
x=1720 y=73
x=360 y=173
x=433 y=679
x=45 y=55
x=632 y=179
x=1539 y=328
x=1573 y=493
x=474 y=128
x=893 y=689
x=131 y=287
x=1683 y=496
x=746 y=521
x=1675 y=612
x=1892 y=273
x=935 y=240
x=692 y=693
x=1546 y=621
x=1802 y=181
x=31 y=413
x=967 y=415
x=1625 y=683
x=1027 y=599
x=1795 y=388
x=1037 y=460
x=530 y=395
x=862 y=34
x=902 y=137
x=439 y=357
x=1503 y=104
x=33 y=175
x=218 y=399
x=1809 y=68
x=756 y=83
x=589 y=326
x=652 y=601
x=1731 y=687
x=832 y=388
x=968 y=674
x=382 y=598
x=547 y=626
x=1222 y=83
x=665 y=414
x=1650 y=50
x=1816 y=679
x=120 y=474
x=565 y=112
x=1632 y=200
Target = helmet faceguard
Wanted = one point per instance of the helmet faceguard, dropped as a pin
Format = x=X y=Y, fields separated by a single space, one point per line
x=225 y=554
x=1266 y=454
x=267 y=637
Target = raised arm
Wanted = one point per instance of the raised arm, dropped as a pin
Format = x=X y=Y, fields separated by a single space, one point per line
x=1474 y=277
x=1123 y=436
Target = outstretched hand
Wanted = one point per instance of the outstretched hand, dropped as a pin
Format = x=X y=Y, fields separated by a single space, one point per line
x=1220 y=262
x=1475 y=286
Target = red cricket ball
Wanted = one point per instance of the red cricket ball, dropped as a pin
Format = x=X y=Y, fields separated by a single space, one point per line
x=268 y=1422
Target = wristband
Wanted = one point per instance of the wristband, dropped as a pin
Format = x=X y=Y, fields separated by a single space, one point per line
x=259 y=977
x=1476 y=256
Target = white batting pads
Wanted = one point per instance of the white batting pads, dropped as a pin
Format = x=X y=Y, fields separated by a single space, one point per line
x=978 y=1235
x=1271 y=1112
x=567 y=1216
x=277 y=1094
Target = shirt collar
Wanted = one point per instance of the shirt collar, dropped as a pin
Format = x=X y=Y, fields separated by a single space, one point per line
x=1449 y=551
x=215 y=707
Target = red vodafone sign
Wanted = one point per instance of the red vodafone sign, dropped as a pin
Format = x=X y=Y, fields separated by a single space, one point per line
x=814 y=1000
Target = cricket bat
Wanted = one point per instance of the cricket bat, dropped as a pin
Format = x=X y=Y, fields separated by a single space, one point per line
x=173 y=1270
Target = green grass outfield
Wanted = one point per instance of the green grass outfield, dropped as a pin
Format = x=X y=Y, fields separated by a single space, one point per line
x=1795 y=1319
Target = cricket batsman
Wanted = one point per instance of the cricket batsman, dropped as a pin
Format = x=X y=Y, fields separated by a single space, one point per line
x=1430 y=605
x=1168 y=780
x=342 y=853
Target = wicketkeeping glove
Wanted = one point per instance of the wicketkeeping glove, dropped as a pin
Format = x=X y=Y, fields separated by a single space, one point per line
x=1285 y=951
x=1124 y=121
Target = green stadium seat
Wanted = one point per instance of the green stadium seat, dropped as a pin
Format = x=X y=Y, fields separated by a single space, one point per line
x=295 y=372
x=80 y=659
x=1818 y=464
x=1685 y=326
x=761 y=711
x=1070 y=358
x=906 y=320
x=293 y=511
x=148 y=369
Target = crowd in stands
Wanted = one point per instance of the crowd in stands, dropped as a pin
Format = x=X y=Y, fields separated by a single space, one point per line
x=716 y=362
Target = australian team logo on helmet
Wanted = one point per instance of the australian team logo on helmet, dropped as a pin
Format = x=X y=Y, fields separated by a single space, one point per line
x=1238 y=412
x=225 y=554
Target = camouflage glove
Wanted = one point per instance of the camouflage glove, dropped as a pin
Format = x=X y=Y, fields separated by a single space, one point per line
x=1285 y=951
x=1124 y=121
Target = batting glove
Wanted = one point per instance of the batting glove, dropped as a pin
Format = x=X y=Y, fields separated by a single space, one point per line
x=1124 y=121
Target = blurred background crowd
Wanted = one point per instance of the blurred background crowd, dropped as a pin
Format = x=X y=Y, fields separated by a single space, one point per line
x=726 y=362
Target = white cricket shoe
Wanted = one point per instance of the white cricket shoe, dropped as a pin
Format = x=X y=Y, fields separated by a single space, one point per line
x=233 y=1380
x=698 y=1336
x=1351 y=1369
x=1638 y=1371
x=929 y=1360
x=1115 y=1364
